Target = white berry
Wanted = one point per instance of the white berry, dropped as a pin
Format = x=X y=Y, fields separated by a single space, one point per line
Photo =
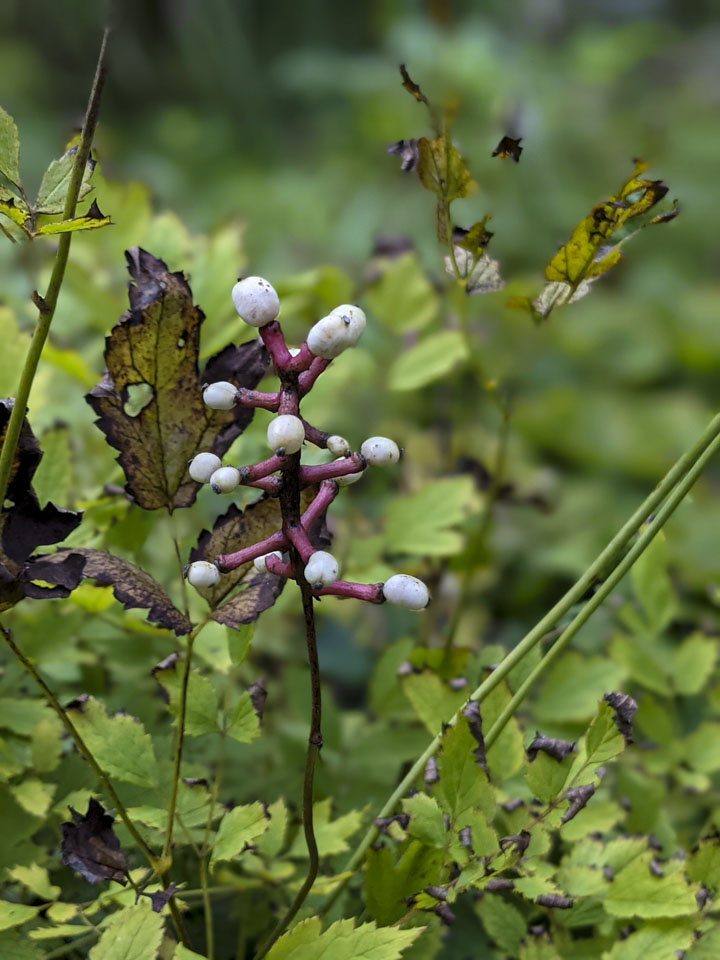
x=380 y=451
x=348 y=478
x=203 y=466
x=225 y=479
x=338 y=446
x=354 y=320
x=259 y=562
x=220 y=395
x=321 y=569
x=406 y=591
x=255 y=301
x=285 y=434
x=203 y=574
x=328 y=338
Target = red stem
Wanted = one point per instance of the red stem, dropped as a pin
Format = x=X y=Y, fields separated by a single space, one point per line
x=324 y=497
x=231 y=561
x=302 y=360
x=271 y=485
x=299 y=539
x=275 y=565
x=370 y=592
x=272 y=337
x=253 y=398
x=263 y=469
x=308 y=378
x=353 y=463
x=313 y=435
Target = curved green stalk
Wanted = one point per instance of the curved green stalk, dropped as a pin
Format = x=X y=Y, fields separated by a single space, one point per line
x=641 y=544
x=46 y=305
x=690 y=464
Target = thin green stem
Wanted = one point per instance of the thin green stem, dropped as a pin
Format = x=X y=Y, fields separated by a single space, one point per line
x=672 y=478
x=179 y=743
x=640 y=545
x=46 y=305
x=76 y=944
x=81 y=745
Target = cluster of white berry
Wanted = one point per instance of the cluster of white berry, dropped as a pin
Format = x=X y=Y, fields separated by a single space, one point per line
x=257 y=304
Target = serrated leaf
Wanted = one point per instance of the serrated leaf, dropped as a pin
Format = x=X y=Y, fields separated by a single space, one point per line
x=389 y=884
x=481 y=274
x=9 y=148
x=652 y=584
x=56 y=181
x=463 y=786
x=134 y=933
x=507 y=754
x=703 y=865
x=273 y=840
x=637 y=892
x=442 y=170
x=119 y=744
x=503 y=922
x=425 y=523
x=429 y=360
x=36 y=879
x=14 y=208
x=201 y=702
x=34 y=795
x=603 y=741
x=134 y=588
x=156 y=343
x=331 y=835
x=573 y=687
x=182 y=953
x=433 y=700
x=426 y=820
x=344 y=941
x=403 y=299
x=244 y=723
x=547 y=776
x=238 y=828
x=701 y=748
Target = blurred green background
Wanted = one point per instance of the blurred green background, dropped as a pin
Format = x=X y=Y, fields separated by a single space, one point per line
x=251 y=137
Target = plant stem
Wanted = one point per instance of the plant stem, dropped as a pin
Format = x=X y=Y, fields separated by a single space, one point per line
x=640 y=545
x=46 y=306
x=290 y=507
x=682 y=467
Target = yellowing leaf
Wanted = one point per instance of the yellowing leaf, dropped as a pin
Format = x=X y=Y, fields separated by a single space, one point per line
x=9 y=147
x=238 y=828
x=92 y=220
x=13 y=914
x=442 y=170
x=343 y=941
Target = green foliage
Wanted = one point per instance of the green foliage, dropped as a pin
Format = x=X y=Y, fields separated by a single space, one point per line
x=133 y=934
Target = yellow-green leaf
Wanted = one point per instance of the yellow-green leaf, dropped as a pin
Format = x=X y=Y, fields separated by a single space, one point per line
x=429 y=360
x=92 y=220
x=9 y=147
x=134 y=933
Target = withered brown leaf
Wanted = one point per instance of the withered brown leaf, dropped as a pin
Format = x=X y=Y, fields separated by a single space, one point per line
x=152 y=354
x=90 y=847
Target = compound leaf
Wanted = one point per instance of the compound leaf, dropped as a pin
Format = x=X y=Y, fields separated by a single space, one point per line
x=152 y=354
x=239 y=828
x=201 y=704
x=344 y=941
x=56 y=180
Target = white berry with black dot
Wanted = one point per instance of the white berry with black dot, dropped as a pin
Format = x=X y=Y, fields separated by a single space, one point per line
x=380 y=451
x=285 y=434
x=256 y=301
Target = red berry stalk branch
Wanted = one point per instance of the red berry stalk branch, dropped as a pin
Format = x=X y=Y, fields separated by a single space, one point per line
x=289 y=552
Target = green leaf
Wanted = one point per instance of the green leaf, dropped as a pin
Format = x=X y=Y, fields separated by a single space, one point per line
x=388 y=885
x=693 y=663
x=507 y=755
x=703 y=865
x=237 y=828
x=707 y=947
x=429 y=360
x=239 y=642
x=201 y=704
x=244 y=725
x=547 y=776
x=344 y=941
x=155 y=346
x=603 y=741
x=14 y=914
x=503 y=922
x=56 y=181
x=652 y=584
x=463 y=786
x=424 y=523
x=403 y=299
x=272 y=841
x=14 y=208
x=426 y=820
x=573 y=687
x=34 y=795
x=15 y=946
x=134 y=933
x=119 y=744
x=636 y=892
x=9 y=148
x=331 y=835
x=701 y=748
x=182 y=953
x=54 y=477
x=433 y=700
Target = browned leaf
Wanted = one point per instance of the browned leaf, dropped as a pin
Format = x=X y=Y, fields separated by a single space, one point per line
x=90 y=847
x=625 y=709
x=557 y=749
x=408 y=152
x=134 y=588
x=260 y=591
x=508 y=149
x=476 y=238
x=411 y=87
x=24 y=525
x=152 y=363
